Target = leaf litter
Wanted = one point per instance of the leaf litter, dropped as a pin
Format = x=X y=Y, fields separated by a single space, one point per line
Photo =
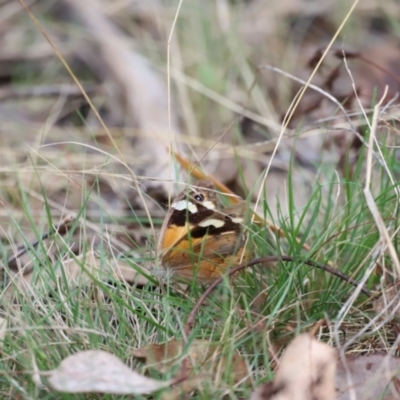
x=100 y=372
x=131 y=94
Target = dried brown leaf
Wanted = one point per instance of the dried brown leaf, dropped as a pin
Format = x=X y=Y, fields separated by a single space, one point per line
x=367 y=376
x=306 y=371
x=100 y=372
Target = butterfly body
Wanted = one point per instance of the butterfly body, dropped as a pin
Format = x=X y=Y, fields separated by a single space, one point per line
x=199 y=241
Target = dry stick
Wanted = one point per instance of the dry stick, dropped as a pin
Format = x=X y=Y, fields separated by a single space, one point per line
x=55 y=229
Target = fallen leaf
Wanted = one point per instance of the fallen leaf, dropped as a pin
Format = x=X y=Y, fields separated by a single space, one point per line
x=306 y=371
x=367 y=376
x=100 y=372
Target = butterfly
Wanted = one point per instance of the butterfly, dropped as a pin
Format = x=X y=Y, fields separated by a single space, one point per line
x=198 y=240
